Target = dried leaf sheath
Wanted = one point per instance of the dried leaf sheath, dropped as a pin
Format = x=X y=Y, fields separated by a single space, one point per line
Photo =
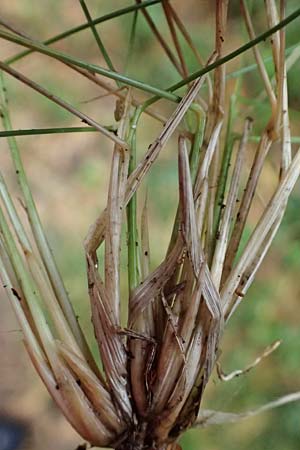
x=110 y=343
x=142 y=349
x=115 y=211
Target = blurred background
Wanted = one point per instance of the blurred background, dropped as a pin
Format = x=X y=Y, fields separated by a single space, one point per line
x=69 y=175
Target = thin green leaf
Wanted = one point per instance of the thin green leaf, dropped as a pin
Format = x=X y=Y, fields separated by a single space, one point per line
x=155 y=30
x=132 y=38
x=35 y=45
x=133 y=239
x=242 y=49
x=59 y=101
x=105 y=18
x=55 y=130
x=39 y=234
x=97 y=37
x=139 y=84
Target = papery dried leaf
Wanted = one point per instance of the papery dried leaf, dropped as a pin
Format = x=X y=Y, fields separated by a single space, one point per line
x=184 y=384
x=188 y=226
x=111 y=347
x=142 y=349
x=114 y=216
x=220 y=37
x=149 y=289
x=194 y=359
x=192 y=240
x=173 y=322
x=87 y=418
x=241 y=217
x=141 y=352
x=51 y=385
x=270 y=215
x=236 y=373
x=272 y=18
x=97 y=394
x=171 y=362
x=249 y=274
x=207 y=159
x=208 y=417
x=205 y=342
x=227 y=216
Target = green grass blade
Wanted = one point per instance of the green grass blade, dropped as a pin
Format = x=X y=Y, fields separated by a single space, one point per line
x=131 y=41
x=38 y=271
x=294 y=139
x=133 y=239
x=160 y=93
x=70 y=32
x=226 y=159
x=54 y=130
x=268 y=60
x=197 y=141
x=11 y=210
x=41 y=48
x=27 y=284
x=98 y=38
x=242 y=49
x=38 y=231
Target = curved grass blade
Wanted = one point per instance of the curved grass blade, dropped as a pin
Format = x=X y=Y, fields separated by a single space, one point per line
x=40 y=237
x=67 y=106
x=55 y=130
x=93 y=68
x=161 y=40
x=97 y=37
x=105 y=18
x=143 y=86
